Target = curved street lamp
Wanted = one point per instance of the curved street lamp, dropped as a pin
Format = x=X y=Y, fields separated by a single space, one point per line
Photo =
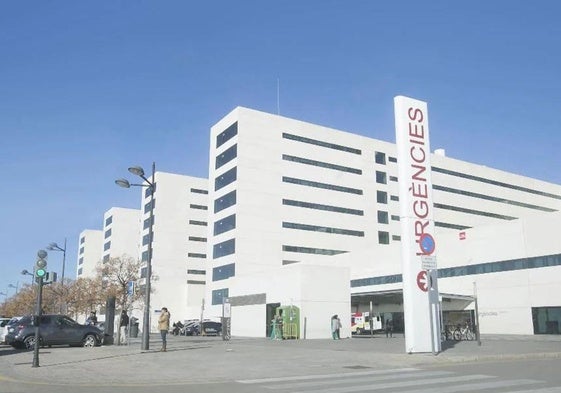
x=56 y=247
x=138 y=171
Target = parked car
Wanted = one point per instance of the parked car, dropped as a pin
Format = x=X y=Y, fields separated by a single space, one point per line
x=210 y=328
x=3 y=329
x=54 y=330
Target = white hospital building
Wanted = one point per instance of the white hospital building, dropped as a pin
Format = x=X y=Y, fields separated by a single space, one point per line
x=308 y=216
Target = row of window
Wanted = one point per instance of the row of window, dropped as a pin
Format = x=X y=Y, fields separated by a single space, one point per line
x=480 y=268
x=199 y=191
x=197 y=239
x=318 y=228
x=325 y=186
x=321 y=164
x=311 y=250
x=317 y=206
x=198 y=207
x=316 y=142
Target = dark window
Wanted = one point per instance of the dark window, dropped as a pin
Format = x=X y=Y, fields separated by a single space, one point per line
x=196 y=282
x=393 y=178
x=147 y=207
x=143 y=272
x=317 y=228
x=81 y=250
x=196 y=255
x=225 y=225
x=381 y=177
x=144 y=256
x=223 y=272
x=197 y=239
x=106 y=258
x=195 y=222
x=80 y=261
x=226 y=156
x=383 y=237
x=82 y=240
x=106 y=246
x=218 y=296
x=392 y=159
x=80 y=271
x=108 y=220
x=193 y=271
x=471 y=211
x=226 y=178
x=321 y=143
x=380 y=158
x=148 y=191
x=450 y=226
x=310 y=250
x=382 y=217
x=321 y=164
x=317 y=206
x=394 y=198
x=395 y=218
x=108 y=233
x=225 y=248
x=199 y=207
x=547 y=320
x=225 y=201
x=147 y=222
x=227 y=134
x=326 y=186
x=146 y=239
x=198 y=191
x=381 y=197
x=397 y=238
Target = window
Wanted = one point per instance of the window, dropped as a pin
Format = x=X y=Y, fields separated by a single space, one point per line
x=383 y=237
x=226 y=156
x=321 y=143
x=381 y=197
x=82 y=240
x=199 y=207
x=81 y=250
x=108 y=220
x=225 y=201
x=80 y=271
x=218 y=296
x=199 y=223
x=392 y=159
x=144 y=257
x=394 y=198
x=80 y=261
x=147 y=222
x=199 y=191
x=393 y=178
x=326 y=186
x=148 y=206
x=199 y=272
x=146 y=239
x=225 y=179
x=225 y=248
x=196 y=255
x=380 y=158
x=223 y=272
x=317 y=228
x=381 y=177
x=225 y=225
x=395 y=218
x=197 y=239
x=106 y=258
x=227 y=134
x=148 y=191
x=108 y=233
x=321 y=164
x=383 y=217
x=397 y=238
x=196 y=282
x=106 y=246
x=317 y=206
x=143 y=272
x=310 y=250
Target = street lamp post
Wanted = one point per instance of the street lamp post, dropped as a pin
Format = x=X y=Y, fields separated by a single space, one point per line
x=16 y=287
x=138 y=171
x=56 y=247
x=24 y=272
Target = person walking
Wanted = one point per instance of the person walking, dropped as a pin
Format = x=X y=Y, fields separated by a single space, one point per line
x=335 y=325
x=389 y=328
x=339 y=326
x=163 y=326
x=124 y=327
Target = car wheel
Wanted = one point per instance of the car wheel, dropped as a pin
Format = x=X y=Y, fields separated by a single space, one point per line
x=29 y=342
x=90 y=341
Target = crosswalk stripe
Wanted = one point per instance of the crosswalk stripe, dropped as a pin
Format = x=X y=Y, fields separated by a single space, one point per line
x=479 y=386
x=402 y=384
x=372 y=379
x=325 y=376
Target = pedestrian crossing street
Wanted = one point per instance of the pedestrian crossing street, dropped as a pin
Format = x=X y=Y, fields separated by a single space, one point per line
x=401 y=380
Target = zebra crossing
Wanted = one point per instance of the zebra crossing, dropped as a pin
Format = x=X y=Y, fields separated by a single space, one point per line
x=401 y=380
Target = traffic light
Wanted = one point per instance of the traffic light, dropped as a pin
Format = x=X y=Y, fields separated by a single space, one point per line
x=50 y=277
x=41 y=264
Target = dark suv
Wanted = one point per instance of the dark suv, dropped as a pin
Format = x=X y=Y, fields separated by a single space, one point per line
x=54 y=330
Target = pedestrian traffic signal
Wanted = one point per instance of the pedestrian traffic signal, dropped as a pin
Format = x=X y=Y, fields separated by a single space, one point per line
x=41 y=264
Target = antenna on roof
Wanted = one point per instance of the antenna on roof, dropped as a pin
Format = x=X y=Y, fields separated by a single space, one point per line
x=278 y=96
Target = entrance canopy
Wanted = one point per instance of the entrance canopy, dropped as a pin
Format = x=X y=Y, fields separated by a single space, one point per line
x=396 y=297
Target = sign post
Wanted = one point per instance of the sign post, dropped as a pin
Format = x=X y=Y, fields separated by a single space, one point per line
x=420 y=289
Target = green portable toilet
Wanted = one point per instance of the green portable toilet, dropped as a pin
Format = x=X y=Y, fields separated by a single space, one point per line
x=290 y=316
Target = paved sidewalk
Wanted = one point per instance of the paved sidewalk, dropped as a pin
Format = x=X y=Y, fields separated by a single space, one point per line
x=203 y=359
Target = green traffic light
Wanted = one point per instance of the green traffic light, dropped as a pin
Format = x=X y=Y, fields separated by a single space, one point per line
x=40 y=272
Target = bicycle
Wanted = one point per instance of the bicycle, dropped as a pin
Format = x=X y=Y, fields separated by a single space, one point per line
x=464 y=333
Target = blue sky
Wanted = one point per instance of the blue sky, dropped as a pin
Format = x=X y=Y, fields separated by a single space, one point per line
x=88 y=89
